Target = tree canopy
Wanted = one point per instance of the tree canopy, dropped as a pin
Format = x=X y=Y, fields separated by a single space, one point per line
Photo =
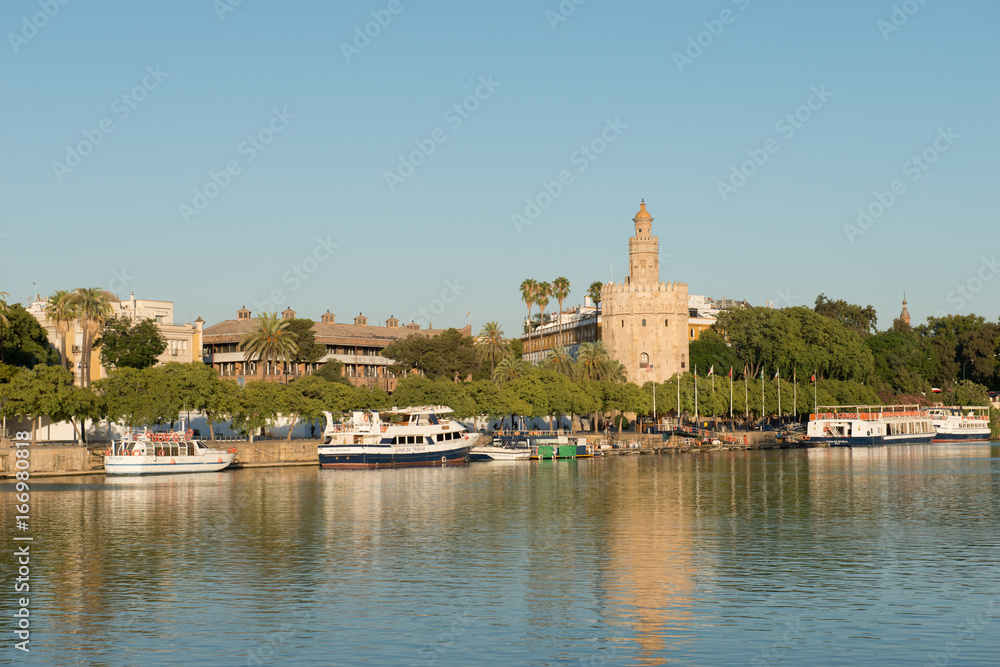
x=127 y=344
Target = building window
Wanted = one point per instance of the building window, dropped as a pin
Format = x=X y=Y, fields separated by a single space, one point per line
x=644 y=360
x=666 y=323
x=692 y=333
x=644 y=323
x=623 y=324
x=683 y=364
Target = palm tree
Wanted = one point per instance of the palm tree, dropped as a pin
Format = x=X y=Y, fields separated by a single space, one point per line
x=592 y=360
x=93 y=309
x=560 y=361
x=528 y=288
x=61 y=310
x=3 y=319
x=542 y=293
x=4 y=308
x=560 y=290
x=595 y=292
x=510 y=368
x=270 y=341
x=491 y=344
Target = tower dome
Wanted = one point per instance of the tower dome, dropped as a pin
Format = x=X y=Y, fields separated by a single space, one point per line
x=643 y=214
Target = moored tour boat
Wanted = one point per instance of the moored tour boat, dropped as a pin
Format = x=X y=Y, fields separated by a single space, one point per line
x=961 y=424
x=867 y=425
x=364 y=440
x=149 y=453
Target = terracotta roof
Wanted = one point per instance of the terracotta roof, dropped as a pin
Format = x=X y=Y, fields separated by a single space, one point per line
x=231 y=330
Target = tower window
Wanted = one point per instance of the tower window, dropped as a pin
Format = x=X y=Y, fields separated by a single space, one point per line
x=623 y=324
x=644 y=323
x=666 y=323
x=644 y=360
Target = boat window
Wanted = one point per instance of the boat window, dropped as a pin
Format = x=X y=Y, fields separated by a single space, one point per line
x=420 y=439
x=410 y=439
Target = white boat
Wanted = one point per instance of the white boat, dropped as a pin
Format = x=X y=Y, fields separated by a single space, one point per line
x=864 y=425
x=149 y=453
x=961 y=424
x=510 y=450
x=419 y=438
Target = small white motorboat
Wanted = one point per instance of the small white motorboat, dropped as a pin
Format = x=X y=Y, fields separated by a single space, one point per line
x=149 y=453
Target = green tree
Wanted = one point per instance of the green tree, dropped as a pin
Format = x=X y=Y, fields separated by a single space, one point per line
x=860 y=320
x=307 y=349
x=332 y=371
x=491 y=345
x=710 y=350
x=510 y=368
x=136 y=397
x=560 y=361
x=270 y=341
x=35 y=392
x=258 y=405
x=135 y=345
x=529 y=287
x=594 y=292
x=3 y=308
x=93 y=309
x=560 y=290
x=543 y=291
x=23 y=341
x=449 y=355
x=195 y=386
x=61 y=310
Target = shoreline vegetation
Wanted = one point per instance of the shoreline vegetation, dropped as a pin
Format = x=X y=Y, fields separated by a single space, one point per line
x=829 y=355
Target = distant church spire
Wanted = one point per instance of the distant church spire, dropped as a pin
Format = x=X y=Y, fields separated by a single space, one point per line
x=905 y=314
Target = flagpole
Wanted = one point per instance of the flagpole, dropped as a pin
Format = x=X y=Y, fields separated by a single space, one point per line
x=795 y=396
x=730 y=396
x=815 y=385
x=777 y=375
x=678 y=398
x=696 y=394
x=762 y=398
x=746 y=394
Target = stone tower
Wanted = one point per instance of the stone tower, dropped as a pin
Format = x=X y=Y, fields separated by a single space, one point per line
x=644 y=322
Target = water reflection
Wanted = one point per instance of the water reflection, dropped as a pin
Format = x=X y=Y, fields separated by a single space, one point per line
x=692 y=559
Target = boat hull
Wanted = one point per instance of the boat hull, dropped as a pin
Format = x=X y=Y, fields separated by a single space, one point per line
x=388 y=456
x=910 y=439
x=962 y=437
x=861 y=441
x=499 y=454
x=166 y=465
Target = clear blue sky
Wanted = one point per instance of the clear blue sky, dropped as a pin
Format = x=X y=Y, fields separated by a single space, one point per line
x=115 y=219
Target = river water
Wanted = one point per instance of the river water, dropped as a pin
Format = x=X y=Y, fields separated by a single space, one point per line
x=882 y=556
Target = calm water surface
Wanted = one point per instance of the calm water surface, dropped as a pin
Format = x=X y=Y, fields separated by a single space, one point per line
x=883 y=556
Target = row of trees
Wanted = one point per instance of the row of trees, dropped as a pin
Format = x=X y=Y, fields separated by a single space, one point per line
x=137 y=397
x=839 y=341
